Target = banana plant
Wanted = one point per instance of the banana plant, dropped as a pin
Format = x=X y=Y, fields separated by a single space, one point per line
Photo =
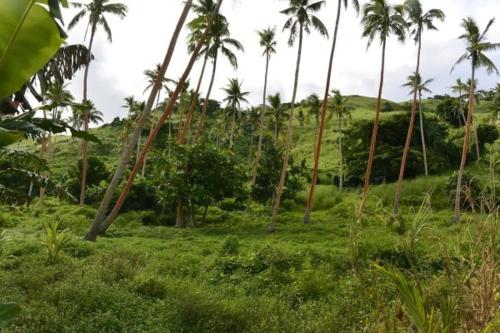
x=30 y=35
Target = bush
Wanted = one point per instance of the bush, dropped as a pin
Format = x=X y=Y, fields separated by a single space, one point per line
x=230 y=246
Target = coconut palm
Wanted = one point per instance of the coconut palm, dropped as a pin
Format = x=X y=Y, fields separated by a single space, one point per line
x=314 y=104
x=100 y=225
x=319 y=139
x=220 y=42
x=152 y=75
x=301 y=20
x=419 y=21
x=340 y=109
x=97 y=12
x=460 y=89
x=85 y=112
x=278 y=113
x=476 y=45
x=234 y=97
x=267 y=40
x=415 y=81
x=384 y=20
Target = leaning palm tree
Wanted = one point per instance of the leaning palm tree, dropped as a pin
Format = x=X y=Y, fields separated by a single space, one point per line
x=267 y=40
x=234 y=97
x=379 y=18
x=341 y=111
x=302 y=19
x=97 y=12
x=220 y=42
x=99 y=224
x=476 y=45
x=319 y=139
x=419 y=20
x=420 y=87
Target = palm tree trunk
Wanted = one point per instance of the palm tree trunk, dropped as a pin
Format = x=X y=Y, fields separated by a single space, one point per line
x=422 y=134
x=411 y=128
x=166 y=114
x=341 y=156
x=465 y=150
x=98 y=223
x=324 y=107
x=250 y=149
x=374 y=136
x=85 y=144
x=201 y=124
x=258 y=155
x=233 y=128
x=276 y=132
x=288 y=143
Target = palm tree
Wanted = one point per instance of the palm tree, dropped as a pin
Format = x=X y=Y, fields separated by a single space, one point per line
x=319 y=139
x=85 y=112
x=420 y=87
x=278 y=113
x=477 y=97
x=379 y=18
x=220 y=42
x=314 y=104
x=97 y=10
x=460 y=89
x=99 y=225
x=154 y=74
x=302 y=19
x=476 y=46
x=267 y=40
x=234 y=97
x=340 y=109
x=419 y=20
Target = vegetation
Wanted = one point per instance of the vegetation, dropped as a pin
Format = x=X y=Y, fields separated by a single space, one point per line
x=190 y=210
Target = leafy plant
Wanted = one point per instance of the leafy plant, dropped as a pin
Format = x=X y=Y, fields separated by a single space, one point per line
x=426 y=319
x=8 y=312
x=53 y=240
x=29 y=37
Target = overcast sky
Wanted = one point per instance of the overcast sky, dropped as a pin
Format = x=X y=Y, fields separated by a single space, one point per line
x=140 y=41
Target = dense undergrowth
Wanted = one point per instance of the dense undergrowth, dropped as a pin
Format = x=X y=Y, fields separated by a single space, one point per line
x=232 y=276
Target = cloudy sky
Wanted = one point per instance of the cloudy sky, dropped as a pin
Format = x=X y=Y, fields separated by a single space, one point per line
x=140 y=42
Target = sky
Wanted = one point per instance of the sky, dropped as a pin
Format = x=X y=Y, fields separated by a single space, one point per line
x=141 y=40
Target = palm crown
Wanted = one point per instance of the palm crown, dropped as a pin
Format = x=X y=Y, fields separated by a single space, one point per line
x=415 y=80
x=234 y=94
x=379 y=18
x=97 y=10
x=419 y=19
x=268 y=40
x=477 y=45
x=302 y=16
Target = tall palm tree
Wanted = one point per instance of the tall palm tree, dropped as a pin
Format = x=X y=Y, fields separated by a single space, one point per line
x=477 y=97
x=278 y=113
x=97 y=12
x=99 y=224
x=460 y=89
x=314 y=104
x=420 y=87
x=220 y=42
x=234 y=97
x=382 y=19
x=152 y=75
x=302 y=19
x=319 y=139
x=267 y=40
x=476 y=45
x=340 y=110
x=418 y=20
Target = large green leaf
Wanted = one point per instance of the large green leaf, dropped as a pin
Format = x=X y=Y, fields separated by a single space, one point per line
x=9 y=311
x=8 y=137
x=29 y=37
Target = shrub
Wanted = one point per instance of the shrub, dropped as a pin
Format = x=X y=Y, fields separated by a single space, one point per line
x=54 y=241
x=230 y=246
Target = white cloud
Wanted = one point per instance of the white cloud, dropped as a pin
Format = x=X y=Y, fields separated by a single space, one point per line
x=140 y=41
